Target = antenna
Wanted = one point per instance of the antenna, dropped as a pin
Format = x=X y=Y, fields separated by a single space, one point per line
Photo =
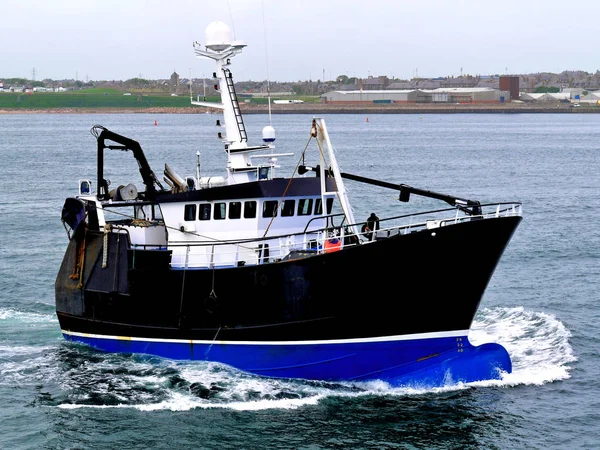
x=267 y=62
x=231 y=18
x=198 y=166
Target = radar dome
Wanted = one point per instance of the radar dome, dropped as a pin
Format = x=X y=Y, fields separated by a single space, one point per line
x=268 y=133
x=218 y=36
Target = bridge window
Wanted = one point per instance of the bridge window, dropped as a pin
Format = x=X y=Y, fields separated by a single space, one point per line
x=204 y=213
x=250 y=209
x=270 y=208
x=189 y=212
x=235 y=210
x=220 y=211
x=319 y=206
x=263 y=173
x=287 y=209
x=305 y=206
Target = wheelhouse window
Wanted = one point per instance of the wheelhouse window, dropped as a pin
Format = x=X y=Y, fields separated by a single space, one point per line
x=305 y=206
x=329 y=205
x=235 y=210
x=270 y=208
x=189 y=212
x=249 y=209
x=319 y=206
x=220 y=211
x=263 y=173
x=204 y=213
x=287 y=209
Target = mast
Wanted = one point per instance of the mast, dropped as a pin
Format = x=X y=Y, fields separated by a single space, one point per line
x=221 y=48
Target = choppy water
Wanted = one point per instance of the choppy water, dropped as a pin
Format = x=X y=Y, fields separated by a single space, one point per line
x=542 y=303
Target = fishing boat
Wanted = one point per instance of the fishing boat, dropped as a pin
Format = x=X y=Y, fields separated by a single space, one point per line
x=273 y=275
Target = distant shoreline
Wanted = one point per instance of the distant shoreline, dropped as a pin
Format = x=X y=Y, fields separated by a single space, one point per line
x=317 y=108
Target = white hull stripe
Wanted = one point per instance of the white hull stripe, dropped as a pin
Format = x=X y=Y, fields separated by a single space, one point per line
x=407 y=337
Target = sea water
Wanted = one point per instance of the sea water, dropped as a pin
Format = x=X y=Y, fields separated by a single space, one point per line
x=542 y=303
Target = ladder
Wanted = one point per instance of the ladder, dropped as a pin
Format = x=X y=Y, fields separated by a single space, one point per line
x=236 y=105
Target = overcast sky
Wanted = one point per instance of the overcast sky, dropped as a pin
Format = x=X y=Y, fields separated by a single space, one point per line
x=292 y=40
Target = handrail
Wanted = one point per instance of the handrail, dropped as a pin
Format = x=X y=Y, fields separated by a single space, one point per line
x=263 y=250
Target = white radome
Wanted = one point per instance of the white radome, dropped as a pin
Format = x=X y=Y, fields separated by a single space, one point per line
x=218 y=36
x=268 y=134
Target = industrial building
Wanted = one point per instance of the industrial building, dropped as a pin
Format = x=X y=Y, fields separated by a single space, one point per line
x=592 y=97
x=509 y=90
x=546 y=97
x=510 y=84
x=407 y=96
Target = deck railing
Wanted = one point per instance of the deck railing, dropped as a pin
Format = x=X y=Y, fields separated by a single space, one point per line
x=272 y=249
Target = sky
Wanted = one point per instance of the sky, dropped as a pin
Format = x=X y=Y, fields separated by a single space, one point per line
x=296 y=40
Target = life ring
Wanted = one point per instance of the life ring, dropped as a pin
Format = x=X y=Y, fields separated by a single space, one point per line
x=332 y=245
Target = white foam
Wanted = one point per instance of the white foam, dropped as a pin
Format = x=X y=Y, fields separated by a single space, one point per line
x=8 y=351
x=33 y=370
x=538 y=344
x=182 y=402
x=26 y=317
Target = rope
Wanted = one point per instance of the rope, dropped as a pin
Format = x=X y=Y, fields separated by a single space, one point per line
x=289 y=183
x=266 y=61
x=117 y=261
x=212 y=343
x=155 y=223
x=75 y=272
x=183 y=286
x=212 y=292
x=300 y=160
x=82 y=253
x=107 y=228
x=142 y=223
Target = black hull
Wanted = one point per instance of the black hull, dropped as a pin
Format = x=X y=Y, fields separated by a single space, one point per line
x=424 y=282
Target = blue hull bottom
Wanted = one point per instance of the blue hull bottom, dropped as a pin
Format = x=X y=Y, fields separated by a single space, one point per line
x=420 y=361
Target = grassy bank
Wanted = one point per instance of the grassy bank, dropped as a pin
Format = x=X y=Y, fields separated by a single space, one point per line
x=55 y=100
x=105 y=98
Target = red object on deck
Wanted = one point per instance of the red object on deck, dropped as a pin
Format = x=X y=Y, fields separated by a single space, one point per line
x=332 y=245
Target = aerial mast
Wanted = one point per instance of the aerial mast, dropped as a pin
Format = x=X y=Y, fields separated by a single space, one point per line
x=221 y=48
